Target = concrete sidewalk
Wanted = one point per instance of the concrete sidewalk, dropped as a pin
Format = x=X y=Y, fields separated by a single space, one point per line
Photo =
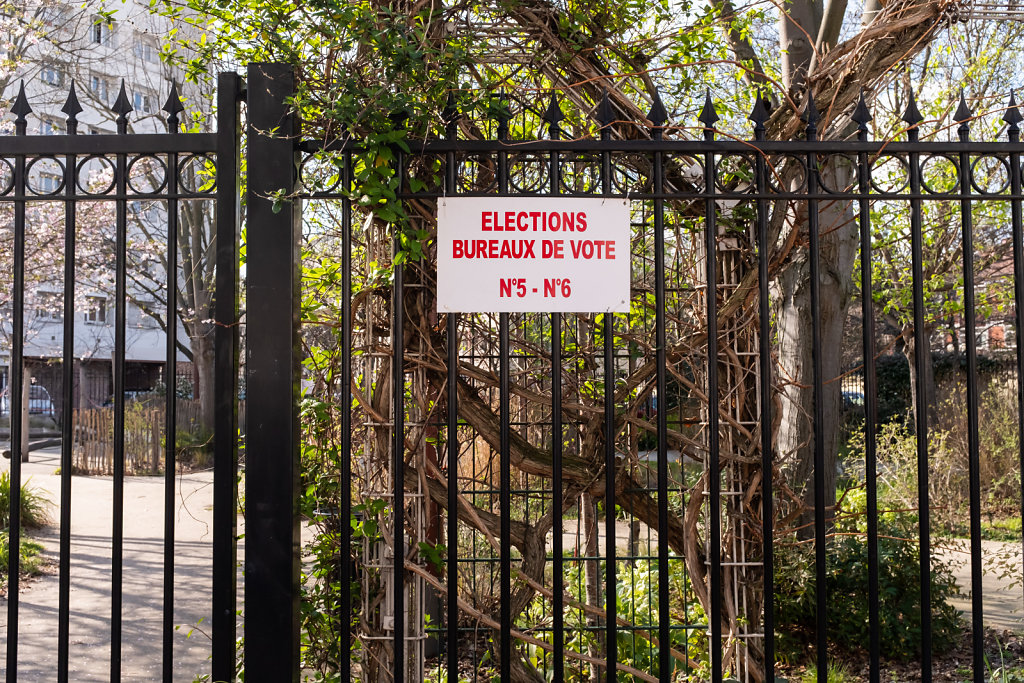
x=92 y=505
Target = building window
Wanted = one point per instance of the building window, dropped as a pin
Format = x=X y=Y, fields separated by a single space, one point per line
x=98 y=87
x=103 y=32
x=51 y=127
x=97 y=310
x=145 y=51
x=48 y=183
x=145 y=103
x=56 y=15
x=49 y=306
x=51 y=74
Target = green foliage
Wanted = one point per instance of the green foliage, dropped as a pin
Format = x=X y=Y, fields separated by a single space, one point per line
x=847 y=579
x=837 y=673
x=34 y=513
x=30 y=562
x=34 y=506
x=893 y=377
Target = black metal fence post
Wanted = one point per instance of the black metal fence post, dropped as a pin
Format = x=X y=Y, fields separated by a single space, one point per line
x=225 y=444
x=272 y=319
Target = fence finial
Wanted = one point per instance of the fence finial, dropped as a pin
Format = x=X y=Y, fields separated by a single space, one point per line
x=810 y=113
x=708 y=116
x=450 y=116
x=963 y=112
x=759 y=114
x=21 y=109
x=503 y=115
x=605 y=112
x=1012 y=115
x=72 y=108
x=861 y=114
x=552 y=115
x=657 y=116
x=912 y=115
x=122 y=107
x=173 y=107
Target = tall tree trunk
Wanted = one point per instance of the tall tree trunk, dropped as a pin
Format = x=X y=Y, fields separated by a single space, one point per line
x=203 y=358
x=910 y=352
x=591 y=570
x=838 y=244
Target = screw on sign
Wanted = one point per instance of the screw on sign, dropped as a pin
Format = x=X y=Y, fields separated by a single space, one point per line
x=523 y=254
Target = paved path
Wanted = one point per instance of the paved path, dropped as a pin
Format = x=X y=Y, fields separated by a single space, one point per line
x=1003 y=596
x=143 y=585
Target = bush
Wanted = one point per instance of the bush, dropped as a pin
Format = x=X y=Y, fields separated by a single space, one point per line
x=30 y=562
x=33 y=505
x=847 y=578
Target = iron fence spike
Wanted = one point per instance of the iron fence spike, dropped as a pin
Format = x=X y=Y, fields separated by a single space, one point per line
x=759 y=114
x=810 y=113
x=657 y=116
x=912 y=115
x=861 y=114
x=72 y=107
x=605 y=112
x=122 y=105
x=21 y=108
x=1012 y=116
x=553 y=114
x=173 y=105
x=963 y=112
x=708 y=115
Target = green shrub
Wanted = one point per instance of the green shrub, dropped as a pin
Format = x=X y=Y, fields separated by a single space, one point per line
x=34 y=505
x=837 y=673
x=847 y=579
x=31 y=563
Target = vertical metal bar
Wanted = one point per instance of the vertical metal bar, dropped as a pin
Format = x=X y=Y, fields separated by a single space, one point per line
x=16 y=403
x=452 y=441
x=870 y=407
x=765 y=372
x=346 y=572
x=67 y=412
x=170 y=421
x=610 y=579
x=120 y=306
x=557 y=482
x=1017 y=223
x=398 y=461
x=921 y=395
x=225 y=380
x=973 y=456
x=504 y=460
x=505 y=478
x=558 y=568
x=661 y=384
x=505 y=500
x=819 y=418
x=272 y=430
x=715 y=483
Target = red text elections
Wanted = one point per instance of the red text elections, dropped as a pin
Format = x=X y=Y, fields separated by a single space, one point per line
x=533 y=221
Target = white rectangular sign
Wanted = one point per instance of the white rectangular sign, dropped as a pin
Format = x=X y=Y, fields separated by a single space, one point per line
x=522 y=254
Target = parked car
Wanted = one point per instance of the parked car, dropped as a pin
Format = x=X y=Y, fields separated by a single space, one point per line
x=39 y=401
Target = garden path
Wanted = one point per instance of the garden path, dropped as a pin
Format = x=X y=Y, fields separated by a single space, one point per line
x=92 y=500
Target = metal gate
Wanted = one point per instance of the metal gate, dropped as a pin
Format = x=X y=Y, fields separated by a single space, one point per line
x=715 y=201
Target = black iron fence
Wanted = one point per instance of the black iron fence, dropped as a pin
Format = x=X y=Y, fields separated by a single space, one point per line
x=50 y=182
x=566 y=495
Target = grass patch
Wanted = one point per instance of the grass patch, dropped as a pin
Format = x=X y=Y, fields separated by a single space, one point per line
x=30 y=561
x=837 y=673
x=1006 y=529
x=34 y=506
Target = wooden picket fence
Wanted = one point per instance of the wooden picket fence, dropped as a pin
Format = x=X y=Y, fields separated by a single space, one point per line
x=93 y=430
